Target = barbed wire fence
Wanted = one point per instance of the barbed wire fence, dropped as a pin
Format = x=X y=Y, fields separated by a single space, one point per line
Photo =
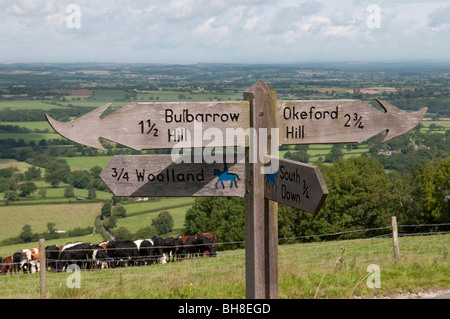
x=321 y=251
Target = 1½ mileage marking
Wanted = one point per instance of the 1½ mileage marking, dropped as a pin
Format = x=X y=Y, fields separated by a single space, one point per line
x=151 y=127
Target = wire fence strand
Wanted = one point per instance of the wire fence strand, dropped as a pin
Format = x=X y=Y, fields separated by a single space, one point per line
x=319 y=251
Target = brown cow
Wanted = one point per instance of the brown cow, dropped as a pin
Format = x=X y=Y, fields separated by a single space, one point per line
x=7 y=265
x=31 y=259
x=184 y=238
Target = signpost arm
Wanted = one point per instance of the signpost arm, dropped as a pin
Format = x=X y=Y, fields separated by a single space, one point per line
x=261 y=215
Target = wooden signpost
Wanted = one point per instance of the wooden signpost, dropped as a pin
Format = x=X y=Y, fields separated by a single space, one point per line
x=167 y=125
x=341 y=121
x=296 y=184
x=144 y=126
x=158 y=175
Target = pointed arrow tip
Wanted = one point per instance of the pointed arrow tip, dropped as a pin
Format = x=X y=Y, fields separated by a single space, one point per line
x=82 y=130
x=408 y=120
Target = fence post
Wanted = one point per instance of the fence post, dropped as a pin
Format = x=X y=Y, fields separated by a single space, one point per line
x=395 y=238
x=42 y=269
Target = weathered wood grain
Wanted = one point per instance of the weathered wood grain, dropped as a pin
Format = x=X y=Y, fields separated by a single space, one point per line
x=261 y=215
x=158 y=175
x=340 y=121
x=143 y=126
x=296 y=184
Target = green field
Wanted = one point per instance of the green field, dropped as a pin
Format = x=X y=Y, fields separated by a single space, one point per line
x=312 y=270
x=28 y=137
x=26 y=105
x=109 y=95
x=65 y=216
x=137 y=221
x=86 y=162
x=31 y=125
x=173 y=96
x=7 y=163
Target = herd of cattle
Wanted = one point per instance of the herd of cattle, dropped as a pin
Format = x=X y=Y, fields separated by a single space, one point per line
x=112 y=254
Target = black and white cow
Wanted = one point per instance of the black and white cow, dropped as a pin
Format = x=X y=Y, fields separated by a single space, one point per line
x=51 y=256
x=159 y=250
x=86 y=256
x=173 y=248
x=145 y=248
x=123 y=252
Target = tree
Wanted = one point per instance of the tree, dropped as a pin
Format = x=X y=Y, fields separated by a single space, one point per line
x=300 y=156
x=92 y=194
x=109 y=222
x=146 y=232
x=26 y=188
x=11 y=196
x=433 y=187
x=163 y=223
x=95 y=171
x=123 y=233
x=57 y=171
x=27 y=235
x=51 y=228
x=68 y=192
x=55 y=177
x=360 y=195
x=119 y=212
x=81 y=179
x=223 y=216
x=106 y=209
x=33 y=173
x=335 y=154
x=4 y=184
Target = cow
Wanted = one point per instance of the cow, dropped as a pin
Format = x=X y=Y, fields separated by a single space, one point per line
x=19 y=260
x=214 y=242
x=124 y=253
x=7 y=265
x=179 y=249
x=190 y=247
x=173 y=248
x=84 y=255
x=30 y=260
x=51 y=256
x=159 y=252
x=184 y=238
x=205 y=246
x=145 y=248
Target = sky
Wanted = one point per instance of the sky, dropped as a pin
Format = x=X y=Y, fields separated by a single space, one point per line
x=223 y=31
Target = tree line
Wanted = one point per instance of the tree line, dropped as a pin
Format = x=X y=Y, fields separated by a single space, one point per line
x=57 y=171
x=361 y=196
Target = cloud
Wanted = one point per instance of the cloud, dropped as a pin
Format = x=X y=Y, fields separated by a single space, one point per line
x=188 y=31
x=439 y=17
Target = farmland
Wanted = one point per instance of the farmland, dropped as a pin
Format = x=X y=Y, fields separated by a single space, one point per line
x=75 y=198
x=308 y=270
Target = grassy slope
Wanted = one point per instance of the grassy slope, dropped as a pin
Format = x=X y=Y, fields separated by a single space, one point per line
x=305 y=270
x=66 y=216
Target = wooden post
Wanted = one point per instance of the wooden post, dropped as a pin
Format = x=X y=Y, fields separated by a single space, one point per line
x=42 y=269
x=261 y=215
x=395 y=238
